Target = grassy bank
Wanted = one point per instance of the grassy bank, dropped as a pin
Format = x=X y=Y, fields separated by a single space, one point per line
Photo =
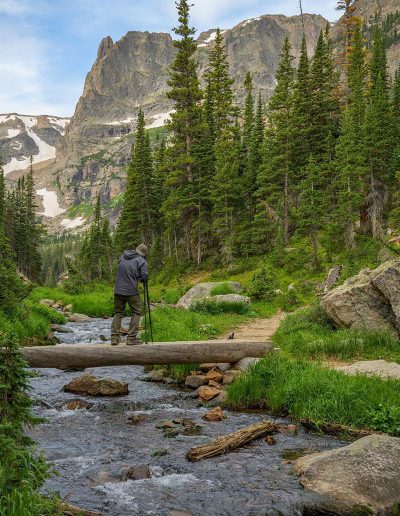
x=309 y=334
x=306 y=390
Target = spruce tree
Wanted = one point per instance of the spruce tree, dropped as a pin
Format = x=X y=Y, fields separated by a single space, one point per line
x=275 y=176
x=137 y=219
x=379 y=138
x=182 y=204
x=2 y=197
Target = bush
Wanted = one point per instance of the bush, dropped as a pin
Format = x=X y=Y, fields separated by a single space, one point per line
x=310 y=391
x=263 y=284
x=222 y=307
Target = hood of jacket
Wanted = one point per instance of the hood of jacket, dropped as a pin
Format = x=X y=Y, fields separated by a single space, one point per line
x=130 y=255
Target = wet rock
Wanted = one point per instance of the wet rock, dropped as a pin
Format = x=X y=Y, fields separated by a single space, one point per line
x=270 y=440
x=78 y=318
x=370 y=300
x=89 y=385
x=215 y=376
x=207 y=393
x=194 y=381
x=169 y=381
x=52 y=339
x=77 y=405
x=136 y=420
x=245 y=363
x=135 y=472
x=59 y=328
x=287 y=429
x=202 y=291
x=160 y=453
x=365 y=474
x=215 y=414
x=156 y=375
x=207 y=367
x=230 y=376
x=217 y=385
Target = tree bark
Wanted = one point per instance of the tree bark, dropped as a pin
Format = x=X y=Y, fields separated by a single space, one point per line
x=80 y=356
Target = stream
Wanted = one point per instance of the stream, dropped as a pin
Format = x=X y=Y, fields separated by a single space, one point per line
x=89 y=449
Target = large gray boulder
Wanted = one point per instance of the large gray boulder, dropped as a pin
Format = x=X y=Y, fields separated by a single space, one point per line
x=202 y=291
x=365 y=474
x=370 y=300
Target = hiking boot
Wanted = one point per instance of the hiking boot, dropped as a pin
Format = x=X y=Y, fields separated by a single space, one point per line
x=114 y=342
x=133 y=342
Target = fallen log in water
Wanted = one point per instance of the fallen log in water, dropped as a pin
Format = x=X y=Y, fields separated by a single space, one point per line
x=230 y=442
x=79 y=356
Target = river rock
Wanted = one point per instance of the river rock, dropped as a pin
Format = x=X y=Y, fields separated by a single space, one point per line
x=195 y=380
x=245 y=363
x=215 y=376
x=156 y=375
x=77 y=405
x=89 y=385
x=214 y=415
x=203 y=290
x=370 y=300
x=207 y=393
x=78 y=318
x=223 y=366
x=230 y=376
x=59 y=328
x=365 y=474
x=207 y=367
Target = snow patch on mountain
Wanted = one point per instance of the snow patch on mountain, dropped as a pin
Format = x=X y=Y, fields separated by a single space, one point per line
x=12 y=132
x=210 y=38
x=50 y=203
x=250 y=20
x=16 y=164
x=121 y=122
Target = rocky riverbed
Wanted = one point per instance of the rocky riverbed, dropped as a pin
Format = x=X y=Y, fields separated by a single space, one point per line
x=114 y=457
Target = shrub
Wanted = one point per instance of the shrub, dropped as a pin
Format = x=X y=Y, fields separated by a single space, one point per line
x=263 y=284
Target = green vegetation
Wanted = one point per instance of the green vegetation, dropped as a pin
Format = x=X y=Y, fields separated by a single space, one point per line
x=208 y=306
x=22 y=471
x=309 y=334
x=222 y=289
x=310 y=391
x=80 y=210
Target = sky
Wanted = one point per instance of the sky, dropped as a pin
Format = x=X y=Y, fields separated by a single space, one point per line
x=48 y=46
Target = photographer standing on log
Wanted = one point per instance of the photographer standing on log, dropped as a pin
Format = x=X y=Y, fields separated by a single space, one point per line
x=132 y=268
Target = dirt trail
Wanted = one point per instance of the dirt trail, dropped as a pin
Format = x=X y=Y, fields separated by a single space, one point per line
x=259 y=330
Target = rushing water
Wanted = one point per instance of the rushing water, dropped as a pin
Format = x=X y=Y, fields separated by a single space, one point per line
x=89 y=449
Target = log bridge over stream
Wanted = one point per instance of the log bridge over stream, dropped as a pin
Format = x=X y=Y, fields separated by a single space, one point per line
x=75 y=356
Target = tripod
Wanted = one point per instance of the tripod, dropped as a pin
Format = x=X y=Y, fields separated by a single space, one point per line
x=147 y=312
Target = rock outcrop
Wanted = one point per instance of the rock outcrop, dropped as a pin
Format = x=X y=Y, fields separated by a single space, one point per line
x=364 y=475
x=370 y=300
x=203 y=291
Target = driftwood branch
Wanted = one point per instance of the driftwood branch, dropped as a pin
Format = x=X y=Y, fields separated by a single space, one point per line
x=230 y=442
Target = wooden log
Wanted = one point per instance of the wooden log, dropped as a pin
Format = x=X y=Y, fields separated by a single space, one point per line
x=230 y=442
x=79 y=356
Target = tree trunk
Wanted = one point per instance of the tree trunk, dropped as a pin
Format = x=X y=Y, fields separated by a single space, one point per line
x=70 y=357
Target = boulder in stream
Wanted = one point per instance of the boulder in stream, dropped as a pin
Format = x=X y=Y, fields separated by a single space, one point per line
x=364 y=475
x=370 y=300
x=89 y=385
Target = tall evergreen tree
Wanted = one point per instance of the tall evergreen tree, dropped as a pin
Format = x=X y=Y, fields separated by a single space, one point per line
x=182 y=203
x=137 y=220
x=2 y=197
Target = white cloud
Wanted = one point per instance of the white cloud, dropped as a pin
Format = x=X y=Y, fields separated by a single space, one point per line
x=12 y=7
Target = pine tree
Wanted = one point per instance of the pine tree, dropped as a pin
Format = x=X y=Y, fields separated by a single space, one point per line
x=379 y=138
x=137 y=220
x=34 y=230
x=351 y=162
x=275 y=176
x=182 y=205
x=2 y=198
x=394 y=218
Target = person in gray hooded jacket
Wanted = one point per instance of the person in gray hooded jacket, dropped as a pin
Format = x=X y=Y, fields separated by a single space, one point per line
x=132 y=268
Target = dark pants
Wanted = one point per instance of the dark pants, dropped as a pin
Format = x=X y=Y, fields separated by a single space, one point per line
x=135 y=305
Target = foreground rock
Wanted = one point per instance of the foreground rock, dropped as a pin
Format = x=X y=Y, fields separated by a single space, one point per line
x=89 y=385
x=373 y=367
x=370 y=300
x=202 y=291
x=365 y=474
x=78 y=318
x=214 y=415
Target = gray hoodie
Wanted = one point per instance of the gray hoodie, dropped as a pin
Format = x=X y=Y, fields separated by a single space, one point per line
x=132 y=268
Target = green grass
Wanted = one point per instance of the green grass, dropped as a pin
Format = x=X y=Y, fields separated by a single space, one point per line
x=31 y=322
x=309 y=334
x=222 y=290
x=222 y=307
x=306 y=390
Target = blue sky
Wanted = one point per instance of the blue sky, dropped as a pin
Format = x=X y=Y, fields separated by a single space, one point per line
x=48 y=46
